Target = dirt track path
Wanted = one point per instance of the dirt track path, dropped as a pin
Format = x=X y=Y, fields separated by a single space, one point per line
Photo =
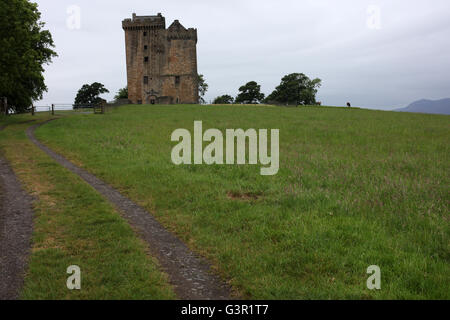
x=16 y=227
x=189 y=274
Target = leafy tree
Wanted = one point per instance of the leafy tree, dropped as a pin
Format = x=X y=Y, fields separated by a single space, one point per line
x=250 y=94
x=90 y=94
x=122 y=94
x=202 y=87
x=296 y=88
x=225 y=99
x=25 y=47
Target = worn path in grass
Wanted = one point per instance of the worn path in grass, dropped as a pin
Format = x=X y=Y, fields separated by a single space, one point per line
x=16 y=226
x=191 y=275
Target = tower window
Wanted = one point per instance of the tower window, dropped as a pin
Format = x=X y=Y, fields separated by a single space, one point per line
x=145 y=33
x=145 y=79
x=145 y=59
x=145 y=47
x=177 y=80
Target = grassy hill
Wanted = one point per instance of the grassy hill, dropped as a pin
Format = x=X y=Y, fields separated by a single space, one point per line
x=355 y=188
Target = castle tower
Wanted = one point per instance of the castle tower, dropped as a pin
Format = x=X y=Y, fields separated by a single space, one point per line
x=161 y=63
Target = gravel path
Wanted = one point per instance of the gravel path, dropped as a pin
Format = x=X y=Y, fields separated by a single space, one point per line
x=16 y=226
x=190 y=274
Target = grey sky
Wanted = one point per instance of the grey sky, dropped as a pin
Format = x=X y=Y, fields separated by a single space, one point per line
x=384 y=66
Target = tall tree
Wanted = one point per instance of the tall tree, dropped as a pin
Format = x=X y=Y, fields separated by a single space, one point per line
x=225 y=99
x=25 y=47
x=202 y=87
x=122 y=94
x=295 y=88
x=250 y=94
x=90 y=94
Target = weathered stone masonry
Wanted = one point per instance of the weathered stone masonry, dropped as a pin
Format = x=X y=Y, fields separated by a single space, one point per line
x=161 y=63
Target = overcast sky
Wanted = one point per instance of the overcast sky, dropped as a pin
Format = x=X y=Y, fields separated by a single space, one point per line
x=375 y=54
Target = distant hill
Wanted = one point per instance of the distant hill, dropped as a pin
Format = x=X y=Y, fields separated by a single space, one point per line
x=429 y=106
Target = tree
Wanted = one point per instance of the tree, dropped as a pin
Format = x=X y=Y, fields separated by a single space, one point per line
x=295 y=88
x=90 y=94
x=250 y=94
x=122 y=94
x=202 y=87
x=25 y=47
x=225 y=99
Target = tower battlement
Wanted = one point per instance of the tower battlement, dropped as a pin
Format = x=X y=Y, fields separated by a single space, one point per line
x=161 y=63
x=144 y=22
x=177 y=31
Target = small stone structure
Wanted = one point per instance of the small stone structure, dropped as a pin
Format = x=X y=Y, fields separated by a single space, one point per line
x=161 y=63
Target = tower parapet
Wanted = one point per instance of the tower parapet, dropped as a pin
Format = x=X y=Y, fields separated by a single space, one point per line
x=144 y=22
x=176 y=31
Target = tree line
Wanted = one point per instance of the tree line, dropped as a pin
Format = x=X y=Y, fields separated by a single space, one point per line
x=294 y=89
x=89 y=94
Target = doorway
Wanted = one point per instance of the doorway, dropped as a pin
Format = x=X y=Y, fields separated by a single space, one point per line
x=152 y=99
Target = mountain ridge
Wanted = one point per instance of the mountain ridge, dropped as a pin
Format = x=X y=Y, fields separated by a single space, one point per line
x=441 y=106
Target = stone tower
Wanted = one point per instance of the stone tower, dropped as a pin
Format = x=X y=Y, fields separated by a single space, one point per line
x=161 y=63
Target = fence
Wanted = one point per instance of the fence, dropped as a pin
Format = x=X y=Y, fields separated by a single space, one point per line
x=64 y=108
x=290 y=104
x=54 y=108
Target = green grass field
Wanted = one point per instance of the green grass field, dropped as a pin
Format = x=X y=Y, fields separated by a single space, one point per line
x=355 y=188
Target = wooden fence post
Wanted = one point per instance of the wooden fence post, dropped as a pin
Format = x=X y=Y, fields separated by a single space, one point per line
x=53 y=109
x=32 y=110
x=5 y=105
